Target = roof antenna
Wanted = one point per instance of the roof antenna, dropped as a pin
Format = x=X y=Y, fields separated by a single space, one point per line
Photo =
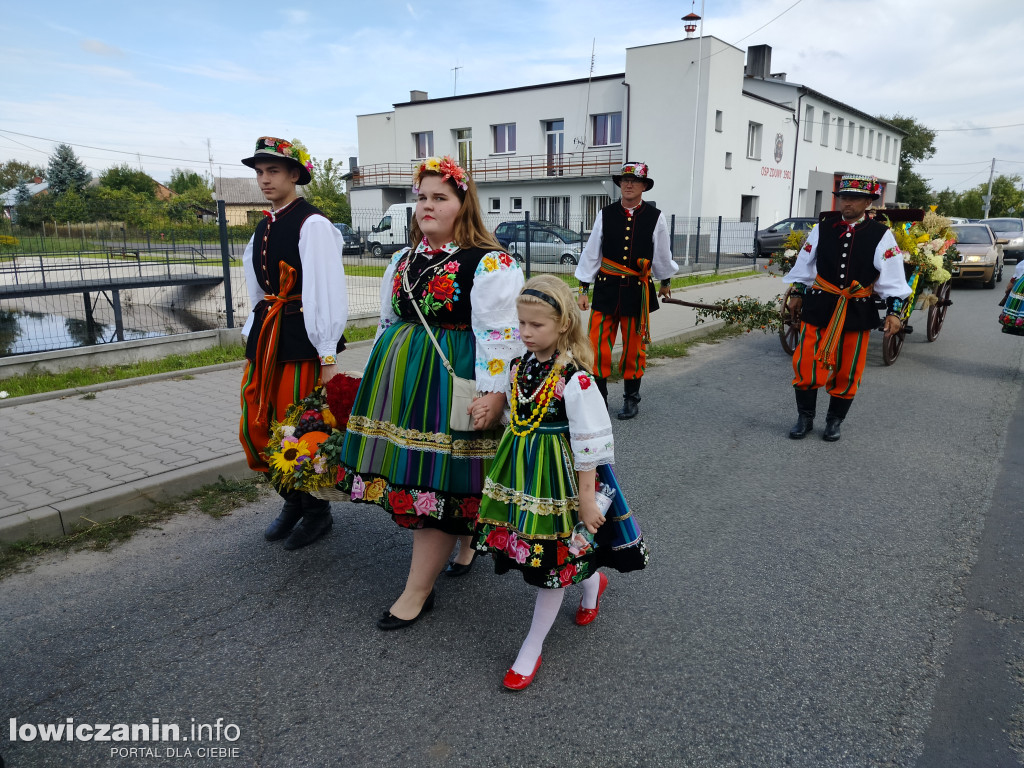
x=582 y=141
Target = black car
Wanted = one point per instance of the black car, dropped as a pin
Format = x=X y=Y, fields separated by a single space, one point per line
x=353 y=242
x=769 y=240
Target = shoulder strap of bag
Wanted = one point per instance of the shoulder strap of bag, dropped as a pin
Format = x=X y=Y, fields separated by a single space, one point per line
x=416 y=306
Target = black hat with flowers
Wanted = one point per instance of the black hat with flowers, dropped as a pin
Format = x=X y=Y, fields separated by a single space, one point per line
x=635 y=170
x=269 y=148
x=851 y=185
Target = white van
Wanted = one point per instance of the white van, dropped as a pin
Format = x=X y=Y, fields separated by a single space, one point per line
x=391 y=232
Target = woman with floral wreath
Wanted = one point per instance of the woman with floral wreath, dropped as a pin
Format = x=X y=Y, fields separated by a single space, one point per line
x=401 y=452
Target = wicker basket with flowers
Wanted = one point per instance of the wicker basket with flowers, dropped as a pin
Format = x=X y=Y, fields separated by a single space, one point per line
x=304 y=451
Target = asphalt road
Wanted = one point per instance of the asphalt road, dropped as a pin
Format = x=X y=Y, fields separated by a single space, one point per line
x=807 y=604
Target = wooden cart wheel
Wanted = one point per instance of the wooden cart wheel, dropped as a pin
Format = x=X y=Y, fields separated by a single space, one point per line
x=892 y=343
x=789 y=331
x=937 y=312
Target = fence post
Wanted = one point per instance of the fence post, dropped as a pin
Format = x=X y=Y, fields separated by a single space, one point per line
x=118 y=320
x=225 y=258
x=696 y=248
x=672 y=236
x=753 y=247
x=526 y=234
x=718 y=245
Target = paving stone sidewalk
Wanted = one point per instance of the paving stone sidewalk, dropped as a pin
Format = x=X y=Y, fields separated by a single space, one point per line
x=99 y=452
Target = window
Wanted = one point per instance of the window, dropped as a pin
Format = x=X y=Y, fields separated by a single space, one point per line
x=754 y=141
x=860 y=140
x=826 y=121
x=849 y=139
x=553 y=209
x=871 y=142
x=718 y=120
x=592 y=205
x=424 y=144
x=607 y=129
x=878 y=147
x=516 y=203
x=504 y=138
x=728 y=161
x=494 y=204
x=839 y=133
x=888 y=142
x=895 y=151
x=808 y=123
x=464 y=139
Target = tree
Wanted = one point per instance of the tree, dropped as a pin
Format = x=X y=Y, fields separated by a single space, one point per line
x=183 y=181
x=326 y=191
x=13 y=172
x=1007 y=197
x=65 y=171
x=917 y=145
x=125 y=177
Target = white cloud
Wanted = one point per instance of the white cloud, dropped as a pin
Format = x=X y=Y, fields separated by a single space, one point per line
x=100 y=48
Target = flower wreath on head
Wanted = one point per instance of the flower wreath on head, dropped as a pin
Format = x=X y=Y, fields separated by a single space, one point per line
x=295 y=152
x=446 y=167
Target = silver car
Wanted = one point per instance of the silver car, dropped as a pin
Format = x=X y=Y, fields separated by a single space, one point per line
x=549 y=243
x=981 y=255
x=1012 y=230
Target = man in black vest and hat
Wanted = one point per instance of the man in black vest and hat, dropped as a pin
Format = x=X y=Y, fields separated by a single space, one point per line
x=844 y=262
x=628 y=249
x=296 y=284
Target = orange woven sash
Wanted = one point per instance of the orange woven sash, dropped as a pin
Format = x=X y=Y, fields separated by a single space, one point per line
x=833 y=332
x=270 y=336
x=609 y=267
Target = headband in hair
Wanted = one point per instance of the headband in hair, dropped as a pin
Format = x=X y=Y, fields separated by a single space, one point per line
x=446 y=168
x=543 y=297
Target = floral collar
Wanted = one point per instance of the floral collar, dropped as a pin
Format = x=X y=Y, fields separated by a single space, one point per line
x=424 y=247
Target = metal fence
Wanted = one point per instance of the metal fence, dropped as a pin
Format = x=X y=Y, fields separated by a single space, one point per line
x=91 y=284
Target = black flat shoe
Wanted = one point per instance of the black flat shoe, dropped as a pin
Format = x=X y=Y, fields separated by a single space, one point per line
x=458 y=569
x=388 y=621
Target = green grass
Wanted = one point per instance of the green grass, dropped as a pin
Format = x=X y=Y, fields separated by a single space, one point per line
x=684 y=281
x=216 y=500
x=34 y=383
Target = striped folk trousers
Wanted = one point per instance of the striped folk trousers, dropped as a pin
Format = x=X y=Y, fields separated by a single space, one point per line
x=603 y=329
x=843 y=381
x=291 y=382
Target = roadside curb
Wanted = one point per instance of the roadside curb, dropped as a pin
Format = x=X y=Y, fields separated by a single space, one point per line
x=60 y=518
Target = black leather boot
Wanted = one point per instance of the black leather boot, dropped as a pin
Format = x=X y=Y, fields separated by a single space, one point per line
x=630 y=399
x=806 y=404
x=316 y=521
x=602 y=387
x=838 y=407
x=291 y=512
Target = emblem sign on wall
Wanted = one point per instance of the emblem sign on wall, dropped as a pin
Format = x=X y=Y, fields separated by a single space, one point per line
x=777 y=173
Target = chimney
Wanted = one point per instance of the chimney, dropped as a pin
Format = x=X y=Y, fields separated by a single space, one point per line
x=352 y=167
x=417 y=95
x=37 y=179
x=759 y=61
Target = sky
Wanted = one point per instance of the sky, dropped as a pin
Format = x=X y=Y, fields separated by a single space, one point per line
x=170 y=85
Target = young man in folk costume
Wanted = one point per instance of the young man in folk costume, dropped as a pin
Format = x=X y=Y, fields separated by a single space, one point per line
x=844 y=261
x=628 y=246
x=293 y=334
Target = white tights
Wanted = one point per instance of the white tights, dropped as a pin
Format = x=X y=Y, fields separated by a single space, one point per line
x=544 y=613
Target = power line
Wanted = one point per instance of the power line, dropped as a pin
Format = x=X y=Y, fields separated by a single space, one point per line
x=102 y=149
x=794 y=5
x=984 y=128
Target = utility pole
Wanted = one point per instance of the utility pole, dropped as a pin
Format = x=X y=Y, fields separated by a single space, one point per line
x=987 y=199
x=209 y=154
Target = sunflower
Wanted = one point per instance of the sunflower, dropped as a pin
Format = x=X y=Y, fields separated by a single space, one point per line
x=291 y=455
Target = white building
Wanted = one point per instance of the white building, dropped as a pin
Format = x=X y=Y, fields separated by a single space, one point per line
x=722 y=137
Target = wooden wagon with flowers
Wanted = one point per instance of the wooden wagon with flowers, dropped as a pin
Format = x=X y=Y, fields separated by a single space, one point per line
x=928 y=245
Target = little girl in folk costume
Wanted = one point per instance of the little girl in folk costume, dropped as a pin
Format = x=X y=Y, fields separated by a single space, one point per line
x=540 y=512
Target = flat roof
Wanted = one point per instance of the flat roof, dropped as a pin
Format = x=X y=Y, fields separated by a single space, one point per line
x=580 y=81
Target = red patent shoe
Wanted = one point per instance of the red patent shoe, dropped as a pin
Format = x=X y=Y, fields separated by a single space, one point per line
x=586 y=615
x=516 y=682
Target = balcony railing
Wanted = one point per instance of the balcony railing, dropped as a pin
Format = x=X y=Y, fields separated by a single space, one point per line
x=567 y=165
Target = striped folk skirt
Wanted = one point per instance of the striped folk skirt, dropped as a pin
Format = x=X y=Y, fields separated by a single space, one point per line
x=1011 y=318
x=531 y=505
x=400 y=452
